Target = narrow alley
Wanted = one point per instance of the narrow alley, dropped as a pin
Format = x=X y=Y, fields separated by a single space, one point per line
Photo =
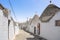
x=29 y=20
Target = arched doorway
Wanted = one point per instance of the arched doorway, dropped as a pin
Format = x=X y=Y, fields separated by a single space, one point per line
x=34 y=30
x=38 y=28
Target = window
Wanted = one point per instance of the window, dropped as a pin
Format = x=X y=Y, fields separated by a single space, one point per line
x=57 y=23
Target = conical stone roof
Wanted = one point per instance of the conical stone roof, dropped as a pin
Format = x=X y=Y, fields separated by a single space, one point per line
x=49 y=12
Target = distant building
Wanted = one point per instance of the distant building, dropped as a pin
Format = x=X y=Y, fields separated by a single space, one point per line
x=23 y=25
x=33 y=25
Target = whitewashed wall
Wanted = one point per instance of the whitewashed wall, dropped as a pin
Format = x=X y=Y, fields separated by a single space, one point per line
x=11 y=30
x=3 y=27
x=31 y=28
x=34 y=24
x=49 y=30
x=16 y=29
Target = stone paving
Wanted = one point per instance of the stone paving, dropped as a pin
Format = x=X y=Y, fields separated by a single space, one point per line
x=23 y=35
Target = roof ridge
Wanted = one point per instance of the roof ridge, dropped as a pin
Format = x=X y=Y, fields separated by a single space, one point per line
x=53 y=5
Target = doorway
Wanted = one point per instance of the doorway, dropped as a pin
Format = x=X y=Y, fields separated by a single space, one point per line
x=38 y=28
x=34 y=30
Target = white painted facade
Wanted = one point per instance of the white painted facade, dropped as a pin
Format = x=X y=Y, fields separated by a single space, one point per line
x=3 y=26
x=11 y=30
x=34 y=23
x=31 y=27
x=16 y=29
x=49 y=30
x=5 y=31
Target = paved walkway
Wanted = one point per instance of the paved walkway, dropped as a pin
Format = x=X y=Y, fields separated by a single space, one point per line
x=22 y=35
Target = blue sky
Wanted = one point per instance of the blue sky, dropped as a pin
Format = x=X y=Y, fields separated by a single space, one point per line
x=27 y=8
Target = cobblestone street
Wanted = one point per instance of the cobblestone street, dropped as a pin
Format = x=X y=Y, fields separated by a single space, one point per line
x=22 y=35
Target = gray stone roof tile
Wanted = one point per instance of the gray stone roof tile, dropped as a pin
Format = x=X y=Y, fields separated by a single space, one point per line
x=49 y=12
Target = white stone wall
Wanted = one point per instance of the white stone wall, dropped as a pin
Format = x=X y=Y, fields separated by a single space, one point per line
x=3 y=27
x=31 y=28
x=34 y=24
x=49 y=30
x=16 y=29
x=11 y=30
